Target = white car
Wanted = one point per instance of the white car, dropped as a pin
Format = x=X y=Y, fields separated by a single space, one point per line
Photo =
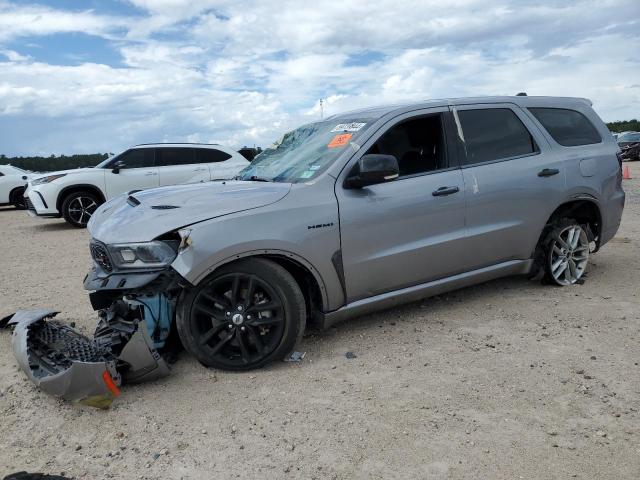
x=13 y=181
x=75 y=194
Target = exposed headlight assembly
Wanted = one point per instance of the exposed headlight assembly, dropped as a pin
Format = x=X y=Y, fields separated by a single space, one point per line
x=49 y=179
x=147 y=255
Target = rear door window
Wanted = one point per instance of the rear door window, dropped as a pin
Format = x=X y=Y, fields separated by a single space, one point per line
x=175 y=156
x=567 y=127
x=494 y=134
x=211 y=155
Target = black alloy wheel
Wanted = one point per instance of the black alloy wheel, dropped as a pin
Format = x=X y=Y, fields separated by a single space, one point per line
x=242 y=317
x=78 y=208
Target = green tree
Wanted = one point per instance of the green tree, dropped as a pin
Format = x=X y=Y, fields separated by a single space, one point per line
x=624 y=126
x=53 y=162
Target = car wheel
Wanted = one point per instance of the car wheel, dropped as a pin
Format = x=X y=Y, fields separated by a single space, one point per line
x=566 y=253
x=16 y=198
x=78 y=207
x=243 y=316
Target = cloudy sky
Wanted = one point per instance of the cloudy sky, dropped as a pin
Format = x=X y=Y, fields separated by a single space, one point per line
x=79 y=76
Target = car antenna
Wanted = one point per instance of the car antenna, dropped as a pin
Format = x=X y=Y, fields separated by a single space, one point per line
x=521 y=94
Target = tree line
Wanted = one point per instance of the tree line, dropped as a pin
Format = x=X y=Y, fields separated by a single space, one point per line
x=624 y=126
x=54 y=163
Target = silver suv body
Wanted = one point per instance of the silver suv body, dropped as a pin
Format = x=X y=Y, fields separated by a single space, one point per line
x=362 y=211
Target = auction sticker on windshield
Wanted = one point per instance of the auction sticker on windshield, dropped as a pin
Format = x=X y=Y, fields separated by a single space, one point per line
x=348 y=127
x=340 y=140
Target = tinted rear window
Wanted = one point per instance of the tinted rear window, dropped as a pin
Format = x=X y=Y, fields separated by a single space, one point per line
x=211 y=155
x=567 y=127
x=494 y=134
x=174 y=156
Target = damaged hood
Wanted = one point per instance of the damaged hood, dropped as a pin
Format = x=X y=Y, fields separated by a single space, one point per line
x=147 y=214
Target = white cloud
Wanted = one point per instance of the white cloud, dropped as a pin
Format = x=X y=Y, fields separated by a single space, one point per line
x=20 y=21
x=241 y=72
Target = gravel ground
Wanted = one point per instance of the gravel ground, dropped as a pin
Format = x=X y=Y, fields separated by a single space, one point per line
x=505 y=380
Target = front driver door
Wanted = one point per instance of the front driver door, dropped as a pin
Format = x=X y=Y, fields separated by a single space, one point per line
x=411 y=230
x=139 y=172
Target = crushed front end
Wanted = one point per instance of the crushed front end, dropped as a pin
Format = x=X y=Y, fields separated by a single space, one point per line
x=135 y=295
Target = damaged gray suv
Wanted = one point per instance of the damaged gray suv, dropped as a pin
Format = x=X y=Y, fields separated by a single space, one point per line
x=358 y=212
x=363 y=211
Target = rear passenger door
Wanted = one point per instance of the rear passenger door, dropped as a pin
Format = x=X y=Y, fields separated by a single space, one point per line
x=513 y=182
x=178 y=165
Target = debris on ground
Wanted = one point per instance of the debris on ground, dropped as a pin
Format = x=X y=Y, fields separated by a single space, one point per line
x=64 y=363
x=295 y=357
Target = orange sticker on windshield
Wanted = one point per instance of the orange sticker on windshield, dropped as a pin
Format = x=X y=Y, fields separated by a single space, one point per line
x=340 y=140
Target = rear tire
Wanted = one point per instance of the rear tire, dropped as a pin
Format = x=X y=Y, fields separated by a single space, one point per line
x=243 y=316
x=78 y=207
x=565 y=253
x=16 y=198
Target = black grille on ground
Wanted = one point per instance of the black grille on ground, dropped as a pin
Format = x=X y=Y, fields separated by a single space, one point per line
x=53 y=347
x=29 y=205
x=100 y=256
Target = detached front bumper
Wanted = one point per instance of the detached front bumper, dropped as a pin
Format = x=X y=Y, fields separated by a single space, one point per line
x=61 y=361
x=64 y=363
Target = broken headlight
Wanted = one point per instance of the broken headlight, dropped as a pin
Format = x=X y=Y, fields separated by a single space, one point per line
x=146 y=255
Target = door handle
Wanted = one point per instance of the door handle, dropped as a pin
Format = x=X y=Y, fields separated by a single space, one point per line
x=150 y=174
x=442 y=191
x=548 y=172
x=200 y=170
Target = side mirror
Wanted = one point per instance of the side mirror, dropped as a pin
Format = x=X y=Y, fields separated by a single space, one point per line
x=117 y=166
x=372 y=169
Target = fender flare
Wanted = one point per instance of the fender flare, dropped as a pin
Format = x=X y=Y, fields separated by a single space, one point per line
x=270 y=252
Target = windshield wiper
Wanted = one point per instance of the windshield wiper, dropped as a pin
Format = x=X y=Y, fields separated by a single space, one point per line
x=253 y=178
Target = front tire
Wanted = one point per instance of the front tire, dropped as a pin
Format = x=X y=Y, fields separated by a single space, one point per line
x=78 y=207
x=16 y=198
x=566 y=253
x=243 y=316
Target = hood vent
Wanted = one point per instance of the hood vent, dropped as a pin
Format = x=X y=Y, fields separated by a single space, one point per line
x=133 y=201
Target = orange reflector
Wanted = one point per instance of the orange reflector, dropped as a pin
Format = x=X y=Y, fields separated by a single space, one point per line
x=108 y=381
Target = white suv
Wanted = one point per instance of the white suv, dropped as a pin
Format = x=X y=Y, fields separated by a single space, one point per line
x=75 y=194
x=13 y=181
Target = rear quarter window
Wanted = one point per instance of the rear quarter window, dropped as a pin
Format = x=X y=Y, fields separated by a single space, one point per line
x=567 y=127
x=211 y=155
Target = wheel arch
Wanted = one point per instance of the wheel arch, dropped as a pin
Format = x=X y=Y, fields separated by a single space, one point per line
x=83 y=187
x=304 y=273
x=585 y=209
x=15 y=190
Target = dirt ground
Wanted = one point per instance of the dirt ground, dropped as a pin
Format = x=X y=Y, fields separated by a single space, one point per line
x=505 y=380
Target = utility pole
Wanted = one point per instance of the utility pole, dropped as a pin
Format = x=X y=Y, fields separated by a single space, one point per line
x=321 y=108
